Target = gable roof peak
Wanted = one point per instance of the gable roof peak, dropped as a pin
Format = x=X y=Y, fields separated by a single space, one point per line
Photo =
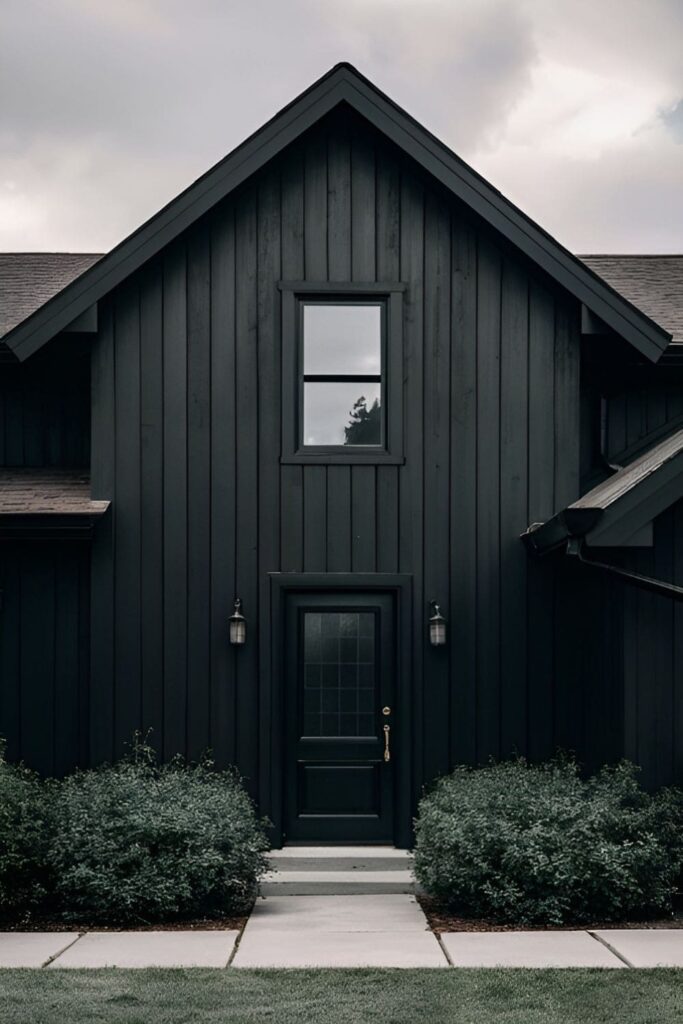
x=343 y=83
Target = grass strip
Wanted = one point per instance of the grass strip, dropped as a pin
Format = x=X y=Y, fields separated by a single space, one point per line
x=335 y=996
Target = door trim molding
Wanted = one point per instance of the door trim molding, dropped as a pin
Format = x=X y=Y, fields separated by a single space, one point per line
x=400 y=585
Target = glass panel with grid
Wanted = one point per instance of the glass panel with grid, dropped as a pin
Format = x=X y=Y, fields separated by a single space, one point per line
x=339 y=672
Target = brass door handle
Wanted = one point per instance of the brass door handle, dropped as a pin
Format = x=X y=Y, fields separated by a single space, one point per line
x=387 y=751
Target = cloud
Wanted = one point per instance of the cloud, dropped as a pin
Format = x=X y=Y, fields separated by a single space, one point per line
x=589 y=151
x=108 y=110
x=460 y=68
x=673 y=120
x=629 y=199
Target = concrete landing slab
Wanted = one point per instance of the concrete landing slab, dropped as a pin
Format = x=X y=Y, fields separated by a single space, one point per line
x=331 y=883
x=527 y=949
x=346 y=931
x=149 y=949
x=32 y=949
x=338 y=914
x=338 y=949
x=654 y=947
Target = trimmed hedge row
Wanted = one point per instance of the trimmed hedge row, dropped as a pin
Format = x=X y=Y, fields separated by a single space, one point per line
x=131 y=842
x=527 y=844
x=140 y=842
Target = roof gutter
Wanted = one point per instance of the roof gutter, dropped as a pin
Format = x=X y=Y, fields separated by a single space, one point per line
x=561 y=529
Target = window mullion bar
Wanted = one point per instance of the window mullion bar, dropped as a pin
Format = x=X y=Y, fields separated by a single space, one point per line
x=341 y=378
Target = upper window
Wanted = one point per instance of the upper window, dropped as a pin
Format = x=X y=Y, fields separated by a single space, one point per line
x=342 y=363
x=342 y=372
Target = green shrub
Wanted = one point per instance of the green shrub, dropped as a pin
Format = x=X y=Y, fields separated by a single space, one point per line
x=136 y=841
x=22 y=840
x=538 y=844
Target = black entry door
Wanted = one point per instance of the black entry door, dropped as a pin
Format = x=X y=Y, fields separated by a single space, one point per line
x=340 y=717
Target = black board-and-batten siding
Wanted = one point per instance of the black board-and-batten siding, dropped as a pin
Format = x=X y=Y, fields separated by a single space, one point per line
x=186 y=421
x=130 y=631
x=45 y=407
x=44 y=653
x=44 y=585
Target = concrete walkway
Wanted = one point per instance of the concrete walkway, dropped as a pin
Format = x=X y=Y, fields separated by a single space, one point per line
x=343 y=931
x=338 y=931
x=342 y=906
x=117 y=949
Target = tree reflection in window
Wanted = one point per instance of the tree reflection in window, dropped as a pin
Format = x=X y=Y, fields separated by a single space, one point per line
x=365 y=426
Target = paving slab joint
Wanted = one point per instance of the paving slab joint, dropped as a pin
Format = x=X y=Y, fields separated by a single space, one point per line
x=236 y=943
x=51 y=959
x=437 y=936
x=615 y=952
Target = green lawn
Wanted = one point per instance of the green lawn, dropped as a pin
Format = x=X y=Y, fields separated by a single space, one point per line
x=333 y=997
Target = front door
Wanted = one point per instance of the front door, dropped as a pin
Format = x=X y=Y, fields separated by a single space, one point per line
x=340 y=717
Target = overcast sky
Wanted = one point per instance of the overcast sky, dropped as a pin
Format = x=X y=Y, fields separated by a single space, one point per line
x=572 y=108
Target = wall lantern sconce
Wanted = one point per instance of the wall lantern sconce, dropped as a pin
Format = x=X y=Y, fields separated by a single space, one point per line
x=238 y=625
x=437 y=626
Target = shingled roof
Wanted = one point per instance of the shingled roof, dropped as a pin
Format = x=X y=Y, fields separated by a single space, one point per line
x=45 y=491
x=45 y=500
x=652 y=283
x=29 y=279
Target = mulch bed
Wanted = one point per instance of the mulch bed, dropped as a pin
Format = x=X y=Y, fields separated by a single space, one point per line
x=201 y=924
x=442 y=920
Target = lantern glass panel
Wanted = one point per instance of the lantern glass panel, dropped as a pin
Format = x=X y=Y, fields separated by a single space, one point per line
x=437 y=632
x=238 y=631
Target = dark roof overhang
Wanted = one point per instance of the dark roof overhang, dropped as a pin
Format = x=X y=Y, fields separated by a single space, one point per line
x=343 y=84
x=49 y=503
x=614 y=511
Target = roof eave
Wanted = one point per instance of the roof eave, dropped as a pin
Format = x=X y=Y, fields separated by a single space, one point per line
x=647 y=499
x=541 y=538
x=51 y=525
x=602 y=518
x=342 y=84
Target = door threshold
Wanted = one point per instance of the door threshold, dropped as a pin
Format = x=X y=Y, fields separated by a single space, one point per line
x=329 y=850
x=320 y=843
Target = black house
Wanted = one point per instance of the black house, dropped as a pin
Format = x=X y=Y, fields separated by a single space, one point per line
x=340 y=378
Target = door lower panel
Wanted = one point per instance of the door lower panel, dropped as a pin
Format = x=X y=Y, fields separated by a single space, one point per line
x=339 y=789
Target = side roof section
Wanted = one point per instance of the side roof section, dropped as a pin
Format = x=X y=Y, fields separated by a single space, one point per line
x=29 y=279
x=617 y=508
x=343 y=84
x=652 y=283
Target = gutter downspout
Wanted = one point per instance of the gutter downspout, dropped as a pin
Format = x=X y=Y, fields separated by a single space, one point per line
x=635 y=579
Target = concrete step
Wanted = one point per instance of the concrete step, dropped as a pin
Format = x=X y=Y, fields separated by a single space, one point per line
x=341 y=858
x=336 y=883
x=338 y=870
